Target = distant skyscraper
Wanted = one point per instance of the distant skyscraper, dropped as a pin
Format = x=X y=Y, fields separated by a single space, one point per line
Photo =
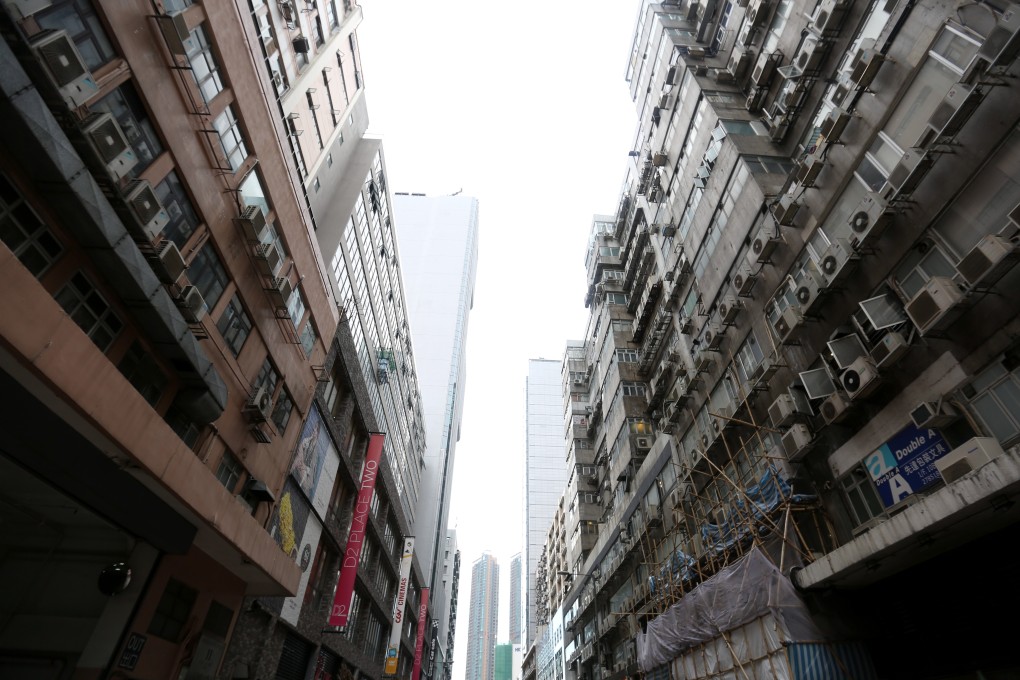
x=545 y=473
x=515 y=600
x=504 y=661
x=482 y=619
x=437 y=243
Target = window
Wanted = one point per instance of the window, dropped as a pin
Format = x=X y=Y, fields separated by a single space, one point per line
x=308 y=336
x=253 y=192
x=994 y=396
x=296 y=307
x=231 y=139
x=234 y=325
x=267 y=377
x=182 y=424
x=748 y=357
x=125 y=105
x=281 y=412
x=919 y=266
x=203 y=65
x=616 y=298
x=79 y=19
x=207 y=274
x=861 y=496
x=89 y=310
x=173 y=611
x=627 y=356
x=24 y=233
x=230 y=471
x=878 y=162
x=140 y=368
x=331 y=18
x=183 y=219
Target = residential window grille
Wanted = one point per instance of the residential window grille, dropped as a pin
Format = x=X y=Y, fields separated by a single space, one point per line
x=90 y=310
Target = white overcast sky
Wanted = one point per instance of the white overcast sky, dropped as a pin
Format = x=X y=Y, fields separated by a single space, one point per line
x=524 y=107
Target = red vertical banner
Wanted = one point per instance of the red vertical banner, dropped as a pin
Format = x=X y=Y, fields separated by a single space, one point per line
x=419 y=644
x=356 y=538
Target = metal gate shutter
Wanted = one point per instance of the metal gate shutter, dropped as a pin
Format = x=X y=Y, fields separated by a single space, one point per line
x=293 y=659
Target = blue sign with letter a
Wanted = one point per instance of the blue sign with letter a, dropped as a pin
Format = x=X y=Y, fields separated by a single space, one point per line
x=906 y=463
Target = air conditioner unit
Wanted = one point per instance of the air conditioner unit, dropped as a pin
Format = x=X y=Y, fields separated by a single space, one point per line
x=713 y=337
x=835 y=259
x=756 y=100
x=763 y=373
x=865 y=66
x=254 y=223
x=808 y=169
x=779 y=127
x=913 y=165
x=765 y=68
x=949 y=116
x=659 y=159
x=930 y=308
x=790 y=97
x=889 y=349
x=1002 y=42
x=840 y=90
x=171 y=264
x=669 y=230
x=267 y=259
x=835 y=408
x=260 y=406
x=746 y=35
x=834 y=124
x=703 y=363
x=986 y=260
x=729 y=308
x=828 y=17
x=65 y=67
x=869 y=219
x=861 y=378
x=22 y=9
x=933 y=414
x=973 y=454
x=301 y=45
x=175 y=32
x=784 y=411
x=696 y=52
x=740 y=61
x=785 y=210
x=192 y=304
x=743 y=280
x=810 y=56
x=723 y=76
x=686 y=325
x=279 y=291
x=642 y=443
x=797 y=441
x=146 y=207
x=757 y=12
x=787 y=323
x=664 y=102
x=809 y=288
x=109 y=142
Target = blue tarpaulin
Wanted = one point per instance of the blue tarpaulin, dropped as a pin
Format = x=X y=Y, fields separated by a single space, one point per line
x=830 y=661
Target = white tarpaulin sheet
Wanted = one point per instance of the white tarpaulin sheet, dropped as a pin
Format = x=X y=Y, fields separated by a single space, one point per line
x=740 y=593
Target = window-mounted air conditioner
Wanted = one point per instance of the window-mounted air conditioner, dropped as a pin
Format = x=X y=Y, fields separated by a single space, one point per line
x=703 y=363
x=779 y=127
x=784 y=411
x=808 y=169
x=267 y=259
x=696 y=52
x=970 y=456
x=746 y=35
x=811 y=55
x=842 y=87
x=150 y=216
x=22 y=9
x=809 y=289
x=686 y=325
x=865 y=66
x=861 y=378
x=763 y=373
x=889 y=349
x=756 y=100
x=765 y=68
x=253 y=221
x=790 y=97
x=642 y=443
x=757 y=12
x=835 y=260
x=785 y=210
x=835 y=408
x=930 y=308
x=828 y=17
x=763 y=245
x=712 y=337
x=740 y=61
x=669 y=230
x=171 y=263
x=797 y=441
x=1002 y=44
x=65 y=67
x=108 y=141
x=192 y=304
x=279 y=291
x=869 y=220
x=175 y=32
x=834 y=124
x=301 y=45
x=952 y=113
x=933 y=414
x=789 y=320
x=912 y=167
x=659 y=159
x=986 y=260
x=260 y=406
x=743 y=280
x=729 y=308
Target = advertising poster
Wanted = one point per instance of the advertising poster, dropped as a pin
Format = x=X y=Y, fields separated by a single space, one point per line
x=906 y=463
x=400 y=602
x=316 y=462
x=355 y=539
x=419 y=644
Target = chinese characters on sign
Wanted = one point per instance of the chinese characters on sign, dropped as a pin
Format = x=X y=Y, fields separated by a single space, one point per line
x=906 y=463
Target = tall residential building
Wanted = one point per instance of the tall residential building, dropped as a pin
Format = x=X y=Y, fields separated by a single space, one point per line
x=544 y=472
x=483 y=621
x=516 y=597
x=800 y=347
x=438 y=241
x=177 y=332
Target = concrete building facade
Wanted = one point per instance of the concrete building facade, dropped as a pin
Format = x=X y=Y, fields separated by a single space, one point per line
x=800 y=341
